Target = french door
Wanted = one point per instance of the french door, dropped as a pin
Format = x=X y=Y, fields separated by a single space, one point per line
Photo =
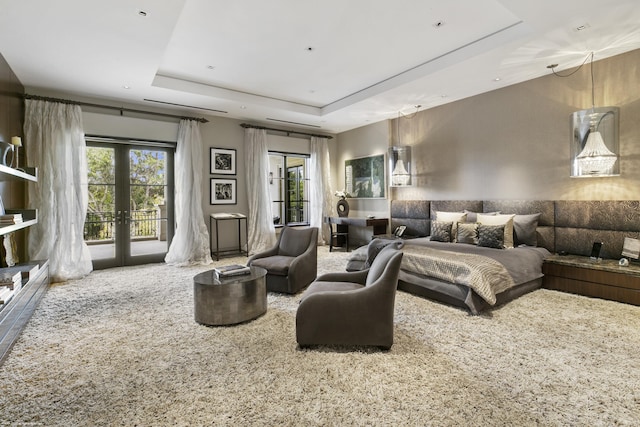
x=130 y=215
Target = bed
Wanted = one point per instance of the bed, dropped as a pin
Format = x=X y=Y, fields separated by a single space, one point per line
x=464 y=273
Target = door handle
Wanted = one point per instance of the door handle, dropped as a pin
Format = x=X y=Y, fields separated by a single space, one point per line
x=119 y=217
x=126 y=217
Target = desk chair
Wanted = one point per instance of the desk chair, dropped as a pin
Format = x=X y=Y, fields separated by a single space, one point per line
x=340 y=234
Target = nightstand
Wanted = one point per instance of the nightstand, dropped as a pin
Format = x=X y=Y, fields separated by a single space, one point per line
x=601 y=279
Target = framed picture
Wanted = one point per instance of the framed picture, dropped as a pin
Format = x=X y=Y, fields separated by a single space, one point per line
x=223 y=191
x=222 y=161
x=364 y=177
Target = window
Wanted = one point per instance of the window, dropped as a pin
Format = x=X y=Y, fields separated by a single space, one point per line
x=289 y=188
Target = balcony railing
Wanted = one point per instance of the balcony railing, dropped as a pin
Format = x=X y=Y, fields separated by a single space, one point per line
x=144 y=223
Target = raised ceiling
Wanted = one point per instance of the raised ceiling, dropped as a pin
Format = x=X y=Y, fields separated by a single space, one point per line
x=331 y=65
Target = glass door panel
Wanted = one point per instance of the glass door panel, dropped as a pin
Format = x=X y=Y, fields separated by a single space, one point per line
x=148 y=218
x=100 y=225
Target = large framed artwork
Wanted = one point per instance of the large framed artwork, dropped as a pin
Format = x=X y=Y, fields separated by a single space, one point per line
x=223 y=191
x=364 y=177
x=222 y=161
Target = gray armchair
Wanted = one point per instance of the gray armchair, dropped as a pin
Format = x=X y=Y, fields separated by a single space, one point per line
x=292 y=263
x=351 y=308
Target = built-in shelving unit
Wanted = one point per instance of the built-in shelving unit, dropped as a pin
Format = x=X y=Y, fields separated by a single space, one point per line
x=16 y=313
x=29 y=216
x=18 y=307
x=26 y=174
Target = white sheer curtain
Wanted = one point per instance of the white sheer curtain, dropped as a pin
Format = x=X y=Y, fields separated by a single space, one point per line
x=320 y=191
x=55 y=144
x=190 y=244
x=262 y=232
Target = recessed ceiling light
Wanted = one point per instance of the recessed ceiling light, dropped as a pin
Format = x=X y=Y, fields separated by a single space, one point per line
x=497 y=79
x=243 y=107
x=309 y=49
x=210 y=67
x=126 y=87
x=142 y=13
x=582 y=27
x=438 y=24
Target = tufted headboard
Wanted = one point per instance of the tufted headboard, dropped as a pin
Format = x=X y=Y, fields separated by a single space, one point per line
x=414 y=214
x=567 y=225
x=580 y=223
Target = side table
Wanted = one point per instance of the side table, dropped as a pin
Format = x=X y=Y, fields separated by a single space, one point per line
x=601 y=279
x=214 y=219
x=229 y=300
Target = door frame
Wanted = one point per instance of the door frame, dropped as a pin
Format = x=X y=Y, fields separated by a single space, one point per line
x=122 y=193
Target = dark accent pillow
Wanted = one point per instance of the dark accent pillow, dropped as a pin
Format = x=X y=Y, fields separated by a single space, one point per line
x=441 y=231
x=524 y=229
x=375 y=246
x=491 y=236
x=467 y=233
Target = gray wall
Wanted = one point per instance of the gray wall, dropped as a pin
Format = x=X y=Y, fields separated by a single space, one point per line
x=513 y=143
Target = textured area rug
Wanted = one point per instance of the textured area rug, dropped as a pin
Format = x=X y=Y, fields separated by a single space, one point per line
x=121 y=347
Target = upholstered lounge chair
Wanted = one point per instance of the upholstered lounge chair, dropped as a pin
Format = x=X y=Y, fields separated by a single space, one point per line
x=292 y=263
x=351 y=308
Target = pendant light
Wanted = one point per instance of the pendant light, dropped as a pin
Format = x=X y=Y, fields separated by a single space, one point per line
x=400 y=157
x=594 y=132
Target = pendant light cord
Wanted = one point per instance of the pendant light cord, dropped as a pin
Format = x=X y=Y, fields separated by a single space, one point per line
x=589 y=57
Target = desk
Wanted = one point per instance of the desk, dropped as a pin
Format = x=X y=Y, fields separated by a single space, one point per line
x=342 y=223
x=217 y=217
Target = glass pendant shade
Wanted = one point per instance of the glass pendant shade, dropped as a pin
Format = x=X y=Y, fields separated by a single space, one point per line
x=400 y=166
x=594 y=149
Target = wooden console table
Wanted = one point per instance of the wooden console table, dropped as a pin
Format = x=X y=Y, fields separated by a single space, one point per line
x=601 y=279
x=342 y=224
x=379 y=224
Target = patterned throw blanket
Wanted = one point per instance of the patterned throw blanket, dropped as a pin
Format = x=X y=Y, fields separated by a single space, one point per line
x=486 y=276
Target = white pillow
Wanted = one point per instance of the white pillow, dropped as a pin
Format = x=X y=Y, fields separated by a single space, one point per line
x=455 y=218
x=506 y=220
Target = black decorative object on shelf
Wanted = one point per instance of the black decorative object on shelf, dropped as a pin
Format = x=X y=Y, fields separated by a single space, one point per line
x=343 y=208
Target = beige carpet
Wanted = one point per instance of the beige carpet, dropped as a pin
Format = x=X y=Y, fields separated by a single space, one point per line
x=121 y=348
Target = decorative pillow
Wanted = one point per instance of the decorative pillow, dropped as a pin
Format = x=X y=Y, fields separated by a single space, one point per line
x=506 y=220
x=454 y=217
x=524 y=229
x=473 y=216
x=441 y=231
x=467 y=233
x=491 y=236
x=377 y=245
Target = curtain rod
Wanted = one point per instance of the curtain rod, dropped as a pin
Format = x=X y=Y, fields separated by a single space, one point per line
x=110 y=107
x=246 y=125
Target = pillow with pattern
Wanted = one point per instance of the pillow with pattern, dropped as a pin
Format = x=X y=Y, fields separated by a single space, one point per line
x=491 y=236
x=467 y=233
x=441 y=231
x=500 y=219
x=454 y=217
